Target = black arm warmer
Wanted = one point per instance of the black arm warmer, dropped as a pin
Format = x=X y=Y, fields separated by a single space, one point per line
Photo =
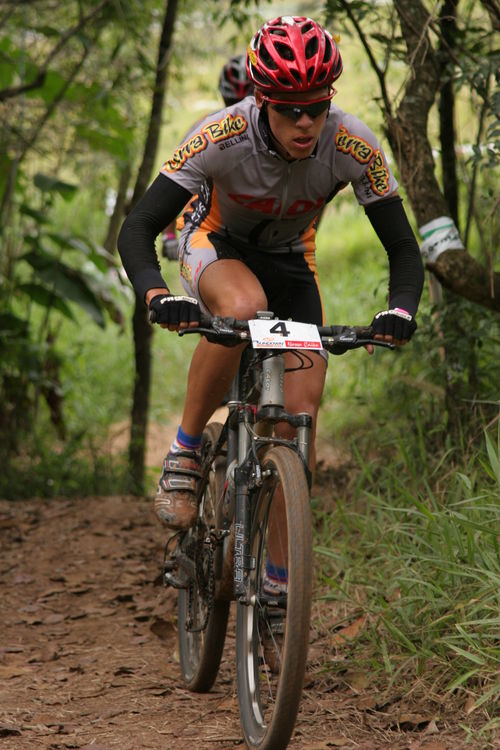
x=160 y=204
x=389 y=220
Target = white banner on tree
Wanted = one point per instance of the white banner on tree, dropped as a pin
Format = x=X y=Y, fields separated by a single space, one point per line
x=439 y=235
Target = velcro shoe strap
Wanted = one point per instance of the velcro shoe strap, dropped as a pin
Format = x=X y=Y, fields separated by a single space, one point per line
x=181 y=464
x=173 y=482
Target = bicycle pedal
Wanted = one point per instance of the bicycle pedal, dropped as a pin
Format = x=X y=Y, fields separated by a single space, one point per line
x=277 y=628
x=169 y=565
x=169 y=579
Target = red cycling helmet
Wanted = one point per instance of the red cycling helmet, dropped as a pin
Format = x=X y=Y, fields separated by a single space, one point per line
x=293 y=54
x=234 y=83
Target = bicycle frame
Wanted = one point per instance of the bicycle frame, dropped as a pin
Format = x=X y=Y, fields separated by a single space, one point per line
x=243 y=446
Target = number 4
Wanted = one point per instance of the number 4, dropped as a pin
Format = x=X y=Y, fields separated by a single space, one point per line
x=280 y=327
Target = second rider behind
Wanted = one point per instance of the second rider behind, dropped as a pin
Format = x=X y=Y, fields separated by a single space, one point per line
x=234 y=85
x=260 y=171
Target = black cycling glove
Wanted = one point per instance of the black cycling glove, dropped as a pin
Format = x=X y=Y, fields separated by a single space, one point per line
x=396 y=323
x=173 y=310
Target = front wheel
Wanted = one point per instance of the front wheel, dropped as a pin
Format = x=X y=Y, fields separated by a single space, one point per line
x=272 y=631
x=202 y=620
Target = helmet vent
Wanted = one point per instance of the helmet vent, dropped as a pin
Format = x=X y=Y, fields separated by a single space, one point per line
x=311 y=48
x=284 y=51
x=266 y=58
x=328 y=50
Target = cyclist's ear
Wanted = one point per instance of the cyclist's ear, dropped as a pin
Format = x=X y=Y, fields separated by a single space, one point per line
x=259 y=98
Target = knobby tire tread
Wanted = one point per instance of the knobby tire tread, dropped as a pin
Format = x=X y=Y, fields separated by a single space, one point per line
x=297 y=502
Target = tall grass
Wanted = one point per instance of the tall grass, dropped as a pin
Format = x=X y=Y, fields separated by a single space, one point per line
x=421 y=559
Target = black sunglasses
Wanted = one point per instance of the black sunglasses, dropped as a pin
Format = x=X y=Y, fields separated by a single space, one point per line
x=295 y=111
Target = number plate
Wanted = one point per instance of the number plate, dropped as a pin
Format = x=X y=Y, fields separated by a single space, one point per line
x=284 y=334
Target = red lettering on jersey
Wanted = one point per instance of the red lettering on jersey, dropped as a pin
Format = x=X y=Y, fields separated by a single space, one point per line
x=302 y=206
x=264 y=205
x=241 y=198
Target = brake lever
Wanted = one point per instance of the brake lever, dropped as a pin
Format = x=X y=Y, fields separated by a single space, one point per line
x=200 y=330
x=346 y=344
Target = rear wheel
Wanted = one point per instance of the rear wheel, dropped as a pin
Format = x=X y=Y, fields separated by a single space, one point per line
x=272 y=632
x=202 y=620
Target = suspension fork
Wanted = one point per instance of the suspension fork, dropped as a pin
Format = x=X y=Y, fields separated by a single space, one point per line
x=243 y=562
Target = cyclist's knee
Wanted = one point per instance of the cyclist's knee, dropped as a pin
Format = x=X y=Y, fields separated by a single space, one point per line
x=240 y=304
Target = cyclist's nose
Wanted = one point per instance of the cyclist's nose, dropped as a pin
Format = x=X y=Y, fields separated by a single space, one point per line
x=304 y=121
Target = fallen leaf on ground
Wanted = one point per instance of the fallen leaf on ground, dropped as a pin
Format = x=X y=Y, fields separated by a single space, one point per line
x=349 y=632
x=413 y=721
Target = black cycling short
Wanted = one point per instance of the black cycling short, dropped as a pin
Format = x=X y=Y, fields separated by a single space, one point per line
x=289 y=280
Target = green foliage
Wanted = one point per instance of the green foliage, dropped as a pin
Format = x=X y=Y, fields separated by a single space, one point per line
x=417 y=551
x=41 y=288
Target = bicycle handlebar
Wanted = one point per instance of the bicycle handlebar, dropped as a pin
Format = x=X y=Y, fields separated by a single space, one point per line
x=231 y=331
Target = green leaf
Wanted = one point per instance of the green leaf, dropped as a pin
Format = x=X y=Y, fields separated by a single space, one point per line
x=66 y=282
x=461 y=679
x=46 y=298
x=12 y=325
x=39 y=258
x=100 y=140
x=48 y=183
x=72 y=285
x=494 y=457
x=37 y=215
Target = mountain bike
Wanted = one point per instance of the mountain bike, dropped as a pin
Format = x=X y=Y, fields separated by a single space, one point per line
x=254 y=507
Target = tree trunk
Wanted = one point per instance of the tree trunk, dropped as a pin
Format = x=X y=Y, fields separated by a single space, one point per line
x=141 y=327
x=448 y=25
x=407 y=134
x=116 y=218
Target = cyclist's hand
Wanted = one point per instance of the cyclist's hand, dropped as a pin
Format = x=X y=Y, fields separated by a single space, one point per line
x=395 y=326
x=174 y=312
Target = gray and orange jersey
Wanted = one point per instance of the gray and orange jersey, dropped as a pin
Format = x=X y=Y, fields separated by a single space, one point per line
x=245 y=191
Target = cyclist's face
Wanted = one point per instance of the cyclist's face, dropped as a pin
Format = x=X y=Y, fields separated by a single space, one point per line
x=295 y=134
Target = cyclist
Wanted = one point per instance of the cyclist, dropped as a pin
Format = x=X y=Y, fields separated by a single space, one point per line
x=260 y=171
x=234 y=85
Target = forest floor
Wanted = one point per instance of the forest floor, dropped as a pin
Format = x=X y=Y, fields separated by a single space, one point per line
x=89 y=657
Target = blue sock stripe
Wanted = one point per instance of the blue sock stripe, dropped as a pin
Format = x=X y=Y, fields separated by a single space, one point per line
x=188 y=441
x=276 y=573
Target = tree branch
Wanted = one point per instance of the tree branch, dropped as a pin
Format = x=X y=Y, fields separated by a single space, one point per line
x=39 y=80
x=364 y=41
x=493 y=8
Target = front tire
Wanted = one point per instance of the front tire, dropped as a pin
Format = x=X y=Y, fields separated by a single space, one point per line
x=200 y=649
x=272 y=634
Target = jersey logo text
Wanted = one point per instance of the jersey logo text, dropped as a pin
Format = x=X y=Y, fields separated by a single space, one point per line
x=378 y=174
x=225 y=128
x=193 y=146
x=353 y=145
x=216 y=131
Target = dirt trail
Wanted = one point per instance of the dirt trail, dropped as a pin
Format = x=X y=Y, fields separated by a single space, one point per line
x=88 y=650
